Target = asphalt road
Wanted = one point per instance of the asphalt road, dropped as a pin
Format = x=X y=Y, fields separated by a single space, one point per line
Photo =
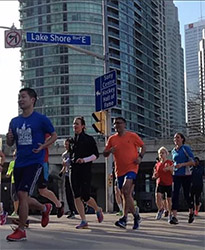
x=152 y=234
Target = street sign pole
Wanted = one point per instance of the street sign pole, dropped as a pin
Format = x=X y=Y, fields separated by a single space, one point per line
x=108 y=167
x=108 y=160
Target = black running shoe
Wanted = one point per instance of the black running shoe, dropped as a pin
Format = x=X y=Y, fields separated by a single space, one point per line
x=137 y=221
x=191 y=218
x=121 y=223
x=174 y=221
x=60 y=210
x=71 y=216
x=166 y=213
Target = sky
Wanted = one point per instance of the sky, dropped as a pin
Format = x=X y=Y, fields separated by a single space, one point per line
x=189 y=11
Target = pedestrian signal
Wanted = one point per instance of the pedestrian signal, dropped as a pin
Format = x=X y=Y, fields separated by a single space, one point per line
x=99 y=126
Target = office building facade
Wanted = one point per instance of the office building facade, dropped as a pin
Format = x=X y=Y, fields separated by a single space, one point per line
x=175 y=71
x=63 y=78
x=134 y=35
x=201 y=57
x=193 y=35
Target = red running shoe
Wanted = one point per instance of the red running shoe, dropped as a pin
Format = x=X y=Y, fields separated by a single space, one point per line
x=17 y=235
x=45 y=215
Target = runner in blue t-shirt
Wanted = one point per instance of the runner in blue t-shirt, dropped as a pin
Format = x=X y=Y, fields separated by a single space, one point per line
x=28 y=132
x=183 y=159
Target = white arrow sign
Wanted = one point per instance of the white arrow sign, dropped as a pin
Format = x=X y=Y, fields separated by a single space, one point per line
x=98 y=93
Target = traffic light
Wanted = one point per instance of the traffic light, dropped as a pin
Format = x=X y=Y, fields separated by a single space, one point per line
x=99 y=126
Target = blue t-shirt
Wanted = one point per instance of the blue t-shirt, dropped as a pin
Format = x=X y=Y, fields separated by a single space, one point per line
x=28 y=133
x=179 y=156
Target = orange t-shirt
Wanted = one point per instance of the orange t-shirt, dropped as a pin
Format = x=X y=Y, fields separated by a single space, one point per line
x=126 y=151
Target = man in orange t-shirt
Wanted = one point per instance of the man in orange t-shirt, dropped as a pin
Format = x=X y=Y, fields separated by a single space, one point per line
x=124 y=146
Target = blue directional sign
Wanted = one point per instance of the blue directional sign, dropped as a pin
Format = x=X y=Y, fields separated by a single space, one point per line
x=106 y=91
x=36 y=37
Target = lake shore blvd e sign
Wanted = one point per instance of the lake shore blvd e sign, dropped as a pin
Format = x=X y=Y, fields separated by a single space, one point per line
x=13 y=38
x=36 y=37
x=106 y=91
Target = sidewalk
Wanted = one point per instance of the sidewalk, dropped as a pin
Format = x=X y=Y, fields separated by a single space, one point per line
x=152 y=234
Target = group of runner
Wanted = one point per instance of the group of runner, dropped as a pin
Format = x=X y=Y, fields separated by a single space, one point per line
x=28 y=131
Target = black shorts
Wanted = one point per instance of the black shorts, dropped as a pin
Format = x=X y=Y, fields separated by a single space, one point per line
x=26 y=177
x=81 y=181
x=165 y=190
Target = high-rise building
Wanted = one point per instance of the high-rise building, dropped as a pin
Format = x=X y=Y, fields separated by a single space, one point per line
x=135 y=37
x=201 y=100
x=175 y=71
x=193 y=35
x=134 y=34
x=62 y=77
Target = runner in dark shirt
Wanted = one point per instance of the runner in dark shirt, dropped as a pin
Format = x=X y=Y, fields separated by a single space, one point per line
x=197 y=185
x=84 y=152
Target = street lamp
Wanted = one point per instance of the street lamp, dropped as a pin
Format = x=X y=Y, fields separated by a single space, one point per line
x=9 y=28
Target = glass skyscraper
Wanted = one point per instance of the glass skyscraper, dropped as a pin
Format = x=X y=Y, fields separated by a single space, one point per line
x=62 y=77
x=193 y=35
x=201 y=57
x=134 y=34
x=175 y=71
